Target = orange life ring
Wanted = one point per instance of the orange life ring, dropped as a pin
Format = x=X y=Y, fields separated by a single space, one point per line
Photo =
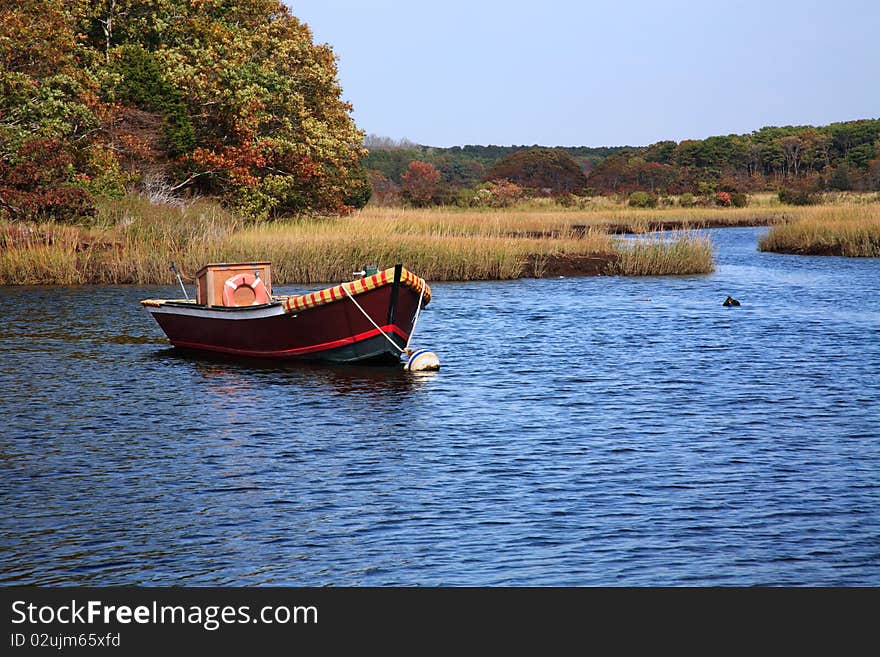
x=237 y=284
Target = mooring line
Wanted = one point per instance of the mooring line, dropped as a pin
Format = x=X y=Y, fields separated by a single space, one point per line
x=378 y=328
x=416 y=318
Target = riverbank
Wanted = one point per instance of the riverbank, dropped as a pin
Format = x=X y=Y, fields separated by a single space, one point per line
x=846 y=230
x=132 y=242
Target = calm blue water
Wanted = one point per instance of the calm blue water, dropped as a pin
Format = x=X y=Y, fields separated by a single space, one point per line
x=577 y=434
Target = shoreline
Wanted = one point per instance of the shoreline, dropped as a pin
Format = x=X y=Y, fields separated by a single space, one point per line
x=570 y=266
x=132 y=242
x=658 y=226
x=670 y=225
x=851 y=232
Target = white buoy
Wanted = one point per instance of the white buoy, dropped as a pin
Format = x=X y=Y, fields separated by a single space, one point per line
x=420 y=360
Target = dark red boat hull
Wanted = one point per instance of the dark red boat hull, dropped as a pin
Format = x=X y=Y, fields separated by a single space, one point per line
x=337 y=331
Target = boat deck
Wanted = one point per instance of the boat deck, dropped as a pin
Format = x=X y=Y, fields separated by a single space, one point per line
x=296 y=302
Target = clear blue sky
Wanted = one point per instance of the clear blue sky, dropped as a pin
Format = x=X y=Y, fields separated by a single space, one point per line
x=617 y=72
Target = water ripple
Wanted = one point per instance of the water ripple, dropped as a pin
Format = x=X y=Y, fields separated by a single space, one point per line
x=573 y=437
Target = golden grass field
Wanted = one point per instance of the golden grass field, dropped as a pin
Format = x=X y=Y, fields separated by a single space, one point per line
x=132 y=241
x=844 y=230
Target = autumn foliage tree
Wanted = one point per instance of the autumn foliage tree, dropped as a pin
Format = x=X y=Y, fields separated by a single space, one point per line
x=249 y=106
x=273 y=135
x=38 y=183
x=542 y=169
x=420 y=184
x=384 y=191
x=497 y=194
x=625 y=174
x=50 y=114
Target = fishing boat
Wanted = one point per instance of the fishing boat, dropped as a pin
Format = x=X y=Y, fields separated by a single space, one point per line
x=368 y=319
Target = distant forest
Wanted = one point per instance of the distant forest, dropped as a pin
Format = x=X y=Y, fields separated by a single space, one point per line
x=839 y=156
x=463 y=166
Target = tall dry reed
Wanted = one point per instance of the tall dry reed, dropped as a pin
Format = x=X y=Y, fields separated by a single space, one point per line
x=664 y=255
x=847 y=230
x=132 y=241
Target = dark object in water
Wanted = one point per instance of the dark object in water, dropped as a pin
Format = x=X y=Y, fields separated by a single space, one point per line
x=730 y=301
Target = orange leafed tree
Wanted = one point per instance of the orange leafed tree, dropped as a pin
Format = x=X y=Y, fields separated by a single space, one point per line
x=249 y=106
x=420 y=183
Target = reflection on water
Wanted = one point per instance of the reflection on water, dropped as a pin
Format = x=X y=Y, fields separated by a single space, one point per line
x=374 y=380
x=581 y=431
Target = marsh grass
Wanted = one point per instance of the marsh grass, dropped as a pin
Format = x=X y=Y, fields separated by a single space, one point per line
x=39 y=254
x=312 y=257
x=664 y=255
x=551 y=218
x=133 y=241
x=130 y=241
x=847 y=230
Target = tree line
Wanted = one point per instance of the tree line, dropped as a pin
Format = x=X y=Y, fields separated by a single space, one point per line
x=461 y=166
x=793 y=159
x=841 y=156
